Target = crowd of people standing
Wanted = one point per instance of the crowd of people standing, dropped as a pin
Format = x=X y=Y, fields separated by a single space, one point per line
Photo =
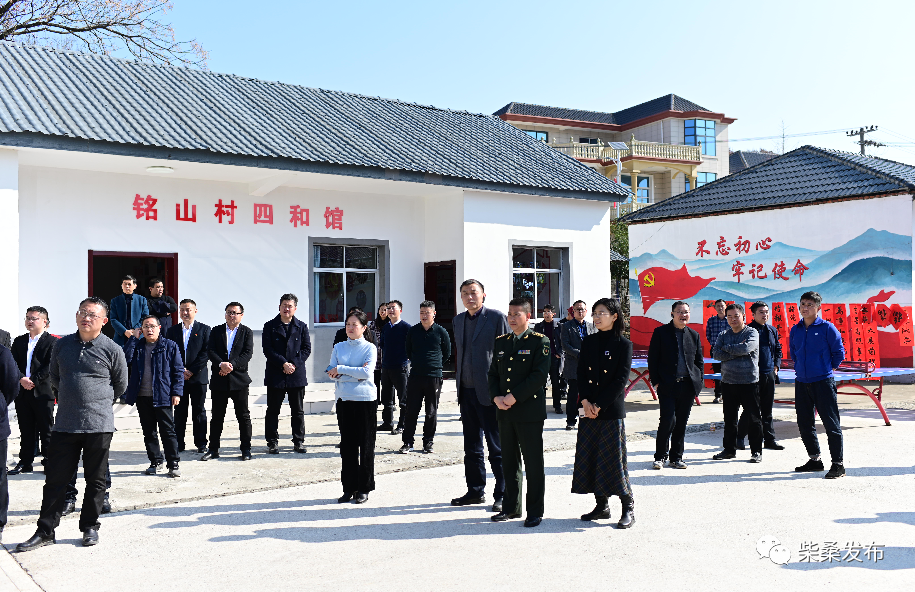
x=503 y=369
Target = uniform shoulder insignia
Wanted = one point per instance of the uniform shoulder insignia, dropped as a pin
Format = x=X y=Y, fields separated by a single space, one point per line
x=535 y=334
x=504 y=335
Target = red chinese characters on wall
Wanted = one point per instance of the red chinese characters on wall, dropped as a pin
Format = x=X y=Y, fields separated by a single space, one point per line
x=225 y=212
x=701 y=251
x=299 y=216
x=263 y=213
x=185 y=217
x=333 y=218
x=756 y=271
x=145 y=206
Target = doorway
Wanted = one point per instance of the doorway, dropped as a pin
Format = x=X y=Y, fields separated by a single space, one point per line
x=440 y=286
x=106 y=268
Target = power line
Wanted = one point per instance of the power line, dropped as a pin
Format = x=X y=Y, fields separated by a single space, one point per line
x=861 y=141
x=780 y=136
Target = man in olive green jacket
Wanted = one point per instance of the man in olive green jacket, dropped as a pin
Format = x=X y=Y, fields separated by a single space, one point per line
x=517 y=378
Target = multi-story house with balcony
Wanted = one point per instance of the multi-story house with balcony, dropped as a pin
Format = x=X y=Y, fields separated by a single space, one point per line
x=660 y=148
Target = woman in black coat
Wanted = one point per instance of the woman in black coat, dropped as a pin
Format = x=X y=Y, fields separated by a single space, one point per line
x=603 y=373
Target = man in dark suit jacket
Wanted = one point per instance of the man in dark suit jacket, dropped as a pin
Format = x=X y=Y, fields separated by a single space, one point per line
x=160 y=304
x=9 y=389
x=35 y=403
x=5 y=339
x=126 y=310
x=286 y=346
x=193 y=339
x=675 y=366
x=475 y=333
x=230 y=349
x=571 y=335
x=517 y=377
x=551 y=327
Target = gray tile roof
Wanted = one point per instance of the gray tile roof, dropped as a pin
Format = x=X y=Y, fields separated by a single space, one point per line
x=803 y=176
x=614 y=256
x=653 y=107
x=51 y=97
x=743 y=159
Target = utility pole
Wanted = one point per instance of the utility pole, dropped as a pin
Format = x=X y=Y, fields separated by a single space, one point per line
x=861 y=141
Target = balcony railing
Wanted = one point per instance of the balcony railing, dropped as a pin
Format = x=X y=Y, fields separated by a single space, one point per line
x=634 y=148
x=621 y=209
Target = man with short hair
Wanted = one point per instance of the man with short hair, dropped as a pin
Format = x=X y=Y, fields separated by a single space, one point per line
x=192 y=338
x=286 y=345
x=675 y=367
x=475 y=332
x=770 y=360
x=5 y=339
x=428 y=348
x=571 y=336
x=161 y=305
x=550 y=326
x=155 y=385
x=517 y=380
x=738 y=351
x=90 y=374
x=230 y=349
x=713 y=328
x=127 y=309
x=35 y=403
x=9 y=388
x=394 y=370
x=816 y=350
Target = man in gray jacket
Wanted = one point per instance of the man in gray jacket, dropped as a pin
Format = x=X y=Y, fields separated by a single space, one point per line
x=90 y=373
x=573 y=333
x=475 y=333
x=738 y=351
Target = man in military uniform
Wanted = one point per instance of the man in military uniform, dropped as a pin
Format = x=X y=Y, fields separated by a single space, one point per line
x=517 y=379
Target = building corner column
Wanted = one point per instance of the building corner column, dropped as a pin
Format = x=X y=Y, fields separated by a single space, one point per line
x=9 y=241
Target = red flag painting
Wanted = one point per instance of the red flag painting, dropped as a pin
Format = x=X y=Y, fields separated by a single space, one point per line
x=883 y=296
x=657 y=283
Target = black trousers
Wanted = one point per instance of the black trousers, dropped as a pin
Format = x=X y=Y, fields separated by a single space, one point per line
x=73 y=492
x=733 y=396
x=557 y=383
x=4 y=485
x=62 y=462
x=356 y=420
x=419 y=389
x=766 y=400
x=378 y=385
x=716 y=369
x=393 y=379
x=275 y=398
x=572 y=403
x=151 y=418
x=36 y=416
x=479 y=423
x=239 y=400
x=676 y=400
x=523 y=440
x=195 y=396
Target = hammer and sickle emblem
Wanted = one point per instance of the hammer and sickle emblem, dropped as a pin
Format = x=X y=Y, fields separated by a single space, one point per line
x=649 y=280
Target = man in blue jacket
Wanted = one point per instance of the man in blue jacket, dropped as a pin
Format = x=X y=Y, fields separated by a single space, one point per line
x=286 y=345
x=126 y=310
x=816 y=349
x=156 y=385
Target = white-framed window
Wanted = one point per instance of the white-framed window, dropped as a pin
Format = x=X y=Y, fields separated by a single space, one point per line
x=537 y=277
x=344 y=276
x=592 y=141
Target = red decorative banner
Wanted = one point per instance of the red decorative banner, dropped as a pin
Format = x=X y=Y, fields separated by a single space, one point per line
x=792 y=317
x=872 y=344
x=826 y=311
x=856 y=333
x=882 y=315
x=898 y=316
x=906 y=337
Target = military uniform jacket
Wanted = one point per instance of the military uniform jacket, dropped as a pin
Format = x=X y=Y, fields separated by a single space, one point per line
x=520 y=367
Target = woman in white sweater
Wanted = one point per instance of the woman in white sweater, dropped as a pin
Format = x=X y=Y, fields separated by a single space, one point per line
x=352 y=367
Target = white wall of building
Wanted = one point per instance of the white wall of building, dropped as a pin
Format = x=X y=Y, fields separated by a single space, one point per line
x=10 y=315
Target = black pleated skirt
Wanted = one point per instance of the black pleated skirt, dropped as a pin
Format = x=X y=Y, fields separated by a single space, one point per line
x=600 y=458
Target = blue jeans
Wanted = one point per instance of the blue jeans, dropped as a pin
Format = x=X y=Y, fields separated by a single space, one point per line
x=480 y=423
x=819 y=396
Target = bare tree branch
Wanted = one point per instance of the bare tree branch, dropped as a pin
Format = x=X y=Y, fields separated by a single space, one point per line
x=101 y=26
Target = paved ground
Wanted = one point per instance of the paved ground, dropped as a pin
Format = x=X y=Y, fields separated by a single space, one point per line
x=239 y=525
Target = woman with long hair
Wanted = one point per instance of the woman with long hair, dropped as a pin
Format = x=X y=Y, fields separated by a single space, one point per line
x=375 y=328
x=603 y=373
x=352 y=368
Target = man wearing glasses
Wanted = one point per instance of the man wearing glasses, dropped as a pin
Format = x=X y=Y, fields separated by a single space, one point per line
x=230 y=349
x=573 y=333
x=35 y=403
x=90 y=373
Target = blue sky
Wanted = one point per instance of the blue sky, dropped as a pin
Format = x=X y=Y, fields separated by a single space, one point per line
x=806 y=63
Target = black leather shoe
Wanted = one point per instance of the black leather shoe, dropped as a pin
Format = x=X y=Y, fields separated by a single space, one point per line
x=773 y=446
x=202 y=449
x=209 y=455
x=385 y=427
x=246 y=455
x=272 y=448
x=299 y=448
x=90 y=537
x=106 y=505
x=724 y=455
x=569 y=427
x=532 y=522
x=20 y=468
x=397 y=431
x=497 y=506
x=502 y=517
x=468 y=499
x=346 y=497
x=37 y=540
x=598 y=513
x=557 y=410
x=810 y=466
x=360 y=498
x=69 y=508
